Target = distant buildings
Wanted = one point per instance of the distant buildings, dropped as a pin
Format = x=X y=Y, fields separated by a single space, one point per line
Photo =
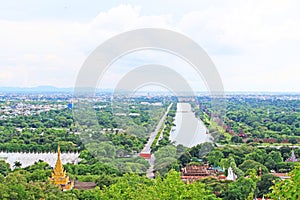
x=153 y=104
x=13 y=109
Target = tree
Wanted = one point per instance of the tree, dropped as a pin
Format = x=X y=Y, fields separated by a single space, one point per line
x=236 y=139
x=17 y=164
x=241 y=189
x=132 y=186
x=102 y=149
x=293 y=140
x=105 y=180
x=251 y=164
x=258 y=155
x=214 y=157
x=264 y=184
x=285 y=152
x=201 y=150
x=184 y=159
x=85 y=154
x=235 y=169
x=15 y=183
x=174 y=188
x=283 y=167
x=165 y=157
x=276 y=156
x=224 y=162
x=270 y=164
x=4 y=168
x=288 y=188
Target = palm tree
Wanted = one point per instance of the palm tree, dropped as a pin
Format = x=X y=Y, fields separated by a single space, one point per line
x=17 y=164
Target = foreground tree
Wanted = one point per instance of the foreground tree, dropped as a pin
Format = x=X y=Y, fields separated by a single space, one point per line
x=4 y=168
x=263 y=185
x=288 y=188
x=137 y=187
x=242 y=189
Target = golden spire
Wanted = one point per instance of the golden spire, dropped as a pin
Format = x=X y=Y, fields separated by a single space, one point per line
x=58 y=176
x=58 y=152
x=58 y=169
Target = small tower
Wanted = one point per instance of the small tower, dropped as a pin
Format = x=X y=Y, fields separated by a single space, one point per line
x=59 y=177
x=231 y=175
x=292 y=158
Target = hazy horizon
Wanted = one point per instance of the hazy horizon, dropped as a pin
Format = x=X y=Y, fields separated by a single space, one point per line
x=41 y=88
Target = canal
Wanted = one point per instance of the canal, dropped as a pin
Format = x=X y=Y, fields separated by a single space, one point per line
x=188 y=130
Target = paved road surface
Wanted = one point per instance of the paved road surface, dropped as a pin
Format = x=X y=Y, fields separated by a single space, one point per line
x=147 y=147
x=150 y=173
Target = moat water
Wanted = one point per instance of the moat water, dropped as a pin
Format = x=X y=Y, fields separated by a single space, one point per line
x=189 y=130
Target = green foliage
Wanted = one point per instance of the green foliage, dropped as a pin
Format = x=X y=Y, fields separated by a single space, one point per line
x=136 y=187
x=201 y=150
x=274 y=118
x=241 y=189
x=165 y=130
x=214 y=157
x=17 y=186
x=251 y=164
x=4 y=168
x=96 y=168
x=105 y=180
x=288 y=188
x=38 y=140
x=265 y=183
x=236 y=139
x=106 y=161
x=43 y=132
x=166 y=157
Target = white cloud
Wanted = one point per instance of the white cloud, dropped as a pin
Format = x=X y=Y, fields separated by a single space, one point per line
x=254 y=45
x=46 y=49
x=256 y=39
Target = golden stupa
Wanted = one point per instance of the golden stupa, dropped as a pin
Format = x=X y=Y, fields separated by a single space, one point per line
x=59 y=177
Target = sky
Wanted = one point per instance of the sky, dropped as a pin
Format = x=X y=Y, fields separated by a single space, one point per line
x=253 y=44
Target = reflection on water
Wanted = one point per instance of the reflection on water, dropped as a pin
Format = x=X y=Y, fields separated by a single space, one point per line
x=189 y=131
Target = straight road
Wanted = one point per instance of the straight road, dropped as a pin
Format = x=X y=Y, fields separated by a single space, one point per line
x=147 y=147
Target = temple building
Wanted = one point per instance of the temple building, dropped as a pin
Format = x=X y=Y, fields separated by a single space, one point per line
x=59 y=177
x=193 y=173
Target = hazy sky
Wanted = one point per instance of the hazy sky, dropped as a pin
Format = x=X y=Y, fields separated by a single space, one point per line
x=255 y=45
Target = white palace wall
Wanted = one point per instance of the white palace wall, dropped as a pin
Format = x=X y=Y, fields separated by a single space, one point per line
x=27 y=159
